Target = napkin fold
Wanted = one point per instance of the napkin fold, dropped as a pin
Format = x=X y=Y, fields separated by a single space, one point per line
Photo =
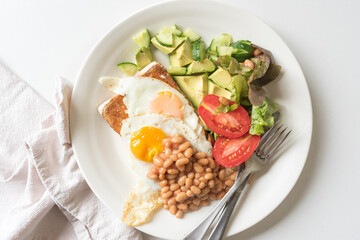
x=42 y=188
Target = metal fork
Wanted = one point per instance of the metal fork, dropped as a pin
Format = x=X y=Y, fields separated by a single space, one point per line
x=268 y=145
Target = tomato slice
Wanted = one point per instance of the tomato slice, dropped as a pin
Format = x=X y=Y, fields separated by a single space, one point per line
x=231 y=152
x=231 y=124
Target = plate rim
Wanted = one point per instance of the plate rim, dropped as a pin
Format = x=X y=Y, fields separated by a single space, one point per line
x=233 y=5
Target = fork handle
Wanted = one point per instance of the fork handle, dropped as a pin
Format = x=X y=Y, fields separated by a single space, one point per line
x=220 y=227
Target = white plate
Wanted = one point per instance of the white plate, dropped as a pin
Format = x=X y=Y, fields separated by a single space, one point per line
x=98 y=148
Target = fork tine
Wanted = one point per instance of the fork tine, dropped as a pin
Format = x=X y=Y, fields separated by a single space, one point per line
x=273 y=150
x=271 y=142
x=266 y=138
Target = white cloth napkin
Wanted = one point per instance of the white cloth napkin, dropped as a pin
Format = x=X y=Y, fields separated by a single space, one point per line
x=39 y=176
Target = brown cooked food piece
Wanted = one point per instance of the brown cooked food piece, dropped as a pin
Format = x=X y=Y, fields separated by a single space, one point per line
x=114 y=110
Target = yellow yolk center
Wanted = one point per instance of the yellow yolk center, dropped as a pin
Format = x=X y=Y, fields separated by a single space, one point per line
x=167 y=103
x=146 y=142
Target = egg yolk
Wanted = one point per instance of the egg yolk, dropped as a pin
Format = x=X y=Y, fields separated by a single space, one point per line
x=146 y=142
x=167 y=103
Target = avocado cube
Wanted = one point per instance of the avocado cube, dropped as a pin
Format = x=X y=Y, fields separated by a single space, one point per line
x=194 y=87
x=222 y=78
x=201 y=66
x=215 y=89
x=143 y=57
x=182 y=56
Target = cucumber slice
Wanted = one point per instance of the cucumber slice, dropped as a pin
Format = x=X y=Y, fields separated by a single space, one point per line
x=198 y=50
x=173 y=30
x=213 y=57
x=241 y=57
x=143 y=57
x=242 y=44
x=165 y=39
x=191 y=34
x=142 y=38
x=224 y=51
x=128 y=68
x=176 y=71
x=222 y=40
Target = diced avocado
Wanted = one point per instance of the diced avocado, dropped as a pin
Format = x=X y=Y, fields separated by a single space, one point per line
x=182 y=56
x=222 y=78
x=215 y=89
x=194 y=87
x=143 y=57
x=177 y=70
x=166 y=50
x=200 y=67
x=233 y=66
x=237 y=82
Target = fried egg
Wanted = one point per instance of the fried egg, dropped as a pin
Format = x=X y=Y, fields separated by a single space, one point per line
x=143 y=137
x=144 y=95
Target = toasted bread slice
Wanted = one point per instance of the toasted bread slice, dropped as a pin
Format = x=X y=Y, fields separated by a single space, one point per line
x=114 y=109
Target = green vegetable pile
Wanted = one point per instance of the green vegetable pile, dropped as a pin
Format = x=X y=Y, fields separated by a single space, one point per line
x=234 y=70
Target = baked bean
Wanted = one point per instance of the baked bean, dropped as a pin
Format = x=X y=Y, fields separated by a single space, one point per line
x=162 y=155
x=166 y=195
x=166 y=206
x=171 y=176
x=179 y=214
x=182 y=161
x=180 y=155
x=158 y=161
x=173 y=209
x=175 y=151
x=182 y=206
x=205 y=197
x=171 y=201
x=233 y=176
x=196 y=201
x=161 y=176
x=222 y=175
x=195 y=189
x=174 y=187
x=191 y=175
x=211 y=183
x=219 y=186
x=152 y=176
x=173 y=157
x=248 y=63
x=162 y=170
x=212 y=196
x=203 y=179
x=168 y=151
x=172 y=171
x=172 y=181
x=181 y=180
x=209 y=176
x=177 y=192
x=224 y=101
x=198 y=168
x=181 y=168
x=193 y=207
x=188 y=152
x=163 y=183
x=202 y=185
x=177 y=139
x=203 y=161
x=188 y=182
x=165 y=189
x=204 y=203
x=257 y=52
x=205 y=191
x=212 y=163
x=168 y=163
x=188 y=167
x=184 y=188
x=184 y=146
x=220 y=195
x=200 y=155
x=196 y=182
x=189 y=193
x=208 y=170
x=229 y=183
x=181 y=197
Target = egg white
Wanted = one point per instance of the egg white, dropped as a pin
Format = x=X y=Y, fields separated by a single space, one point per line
x=139 y=91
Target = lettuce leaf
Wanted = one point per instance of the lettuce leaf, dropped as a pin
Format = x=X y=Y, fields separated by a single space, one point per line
x=262 y=116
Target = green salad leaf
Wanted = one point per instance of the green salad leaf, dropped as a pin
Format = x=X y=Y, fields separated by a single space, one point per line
x=262 y=116
x=224 y=109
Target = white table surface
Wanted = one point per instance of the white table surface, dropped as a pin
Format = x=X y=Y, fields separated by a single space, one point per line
x=40 y=39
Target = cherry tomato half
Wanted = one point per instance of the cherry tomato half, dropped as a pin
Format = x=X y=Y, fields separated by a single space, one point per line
x=231 y=124
x=231 y=152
